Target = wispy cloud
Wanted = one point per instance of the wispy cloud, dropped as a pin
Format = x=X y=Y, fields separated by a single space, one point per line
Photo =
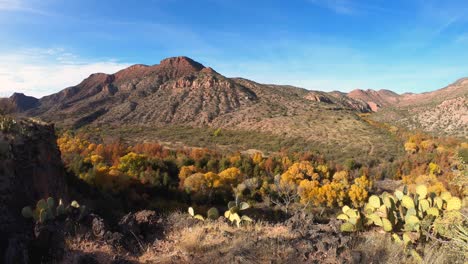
x=11 y=4
x=21 y=6
x=463 y=38
x=354 y=7
x=39 y=72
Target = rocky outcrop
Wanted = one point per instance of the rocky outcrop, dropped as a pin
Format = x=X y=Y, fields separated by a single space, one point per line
x=30 y=169
x=375 y=99
x=339 y=99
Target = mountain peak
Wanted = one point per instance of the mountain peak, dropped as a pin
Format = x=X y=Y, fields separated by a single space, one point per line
x=182 y=62
x=22 y=102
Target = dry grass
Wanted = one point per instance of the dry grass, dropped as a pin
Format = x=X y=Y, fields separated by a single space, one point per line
x=218 y=242
x=84 y=251
x=379 y=248
x=190 y=241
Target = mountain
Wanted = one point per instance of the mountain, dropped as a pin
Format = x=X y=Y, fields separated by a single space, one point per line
x=441 y=112
x=18 y=102
x=180 y=92
x=385 y=98
x=178 y=95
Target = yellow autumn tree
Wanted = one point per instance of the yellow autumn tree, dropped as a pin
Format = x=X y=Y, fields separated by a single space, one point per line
x=133 y=164
x=358 y=192
x=323 y=171
x=297 y=172
x=184 y=173
x=96 y=159
x=431 y=181
x=308 y=191
x=333 y=194
x=341 y=176
x=195 y=182
x=213 y=180
x=230 y=176
x=257 y=158
x=427 y=145
x=434 y=169
x=411 y=147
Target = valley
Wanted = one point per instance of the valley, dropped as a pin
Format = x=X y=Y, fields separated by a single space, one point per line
x=176 y=163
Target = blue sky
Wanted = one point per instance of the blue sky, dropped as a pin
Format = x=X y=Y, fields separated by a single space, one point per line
x=402 y=45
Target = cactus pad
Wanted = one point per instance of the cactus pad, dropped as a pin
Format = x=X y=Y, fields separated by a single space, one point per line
x=213 y=213
x=424 y=205
x=421 y=190
x=27 y=212
x=41 y=204
x=342 y=217
x=375 y=219
x=244 y=206
x=191 y=211
x=399 y=194
x=433 y=211
x=407 y=202
x=411 y=220
x=374 y=201
x=50 y=202
x=454 y=204
x=345 y=208
x=387 y=226
x=347 y=227
x=445 y=196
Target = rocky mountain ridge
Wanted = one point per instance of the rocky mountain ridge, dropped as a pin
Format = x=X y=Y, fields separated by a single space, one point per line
x=181 y=91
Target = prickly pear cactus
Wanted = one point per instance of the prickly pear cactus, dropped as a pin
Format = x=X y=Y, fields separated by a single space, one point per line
x=46 y=210
x=402 y=212
x=233 y=212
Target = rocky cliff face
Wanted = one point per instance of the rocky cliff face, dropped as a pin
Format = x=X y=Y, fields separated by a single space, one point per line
x=30 y=169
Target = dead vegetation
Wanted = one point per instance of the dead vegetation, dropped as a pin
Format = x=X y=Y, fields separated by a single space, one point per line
x=297 y=240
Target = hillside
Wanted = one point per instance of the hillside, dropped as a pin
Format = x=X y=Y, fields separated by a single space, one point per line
x=441 y=112
x=375 y=99
x=181 y=92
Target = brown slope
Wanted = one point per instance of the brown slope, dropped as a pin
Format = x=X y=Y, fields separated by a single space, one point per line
x=375 y=99
x=339 y=99
x=441 y=112
x=452 y=91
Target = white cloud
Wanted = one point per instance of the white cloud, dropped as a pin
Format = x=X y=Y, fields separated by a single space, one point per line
x=40 y=72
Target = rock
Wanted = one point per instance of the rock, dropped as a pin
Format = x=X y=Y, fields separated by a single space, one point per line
x=98 y=227
x=31 y=170
x=138 y=228
x=142 y=224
